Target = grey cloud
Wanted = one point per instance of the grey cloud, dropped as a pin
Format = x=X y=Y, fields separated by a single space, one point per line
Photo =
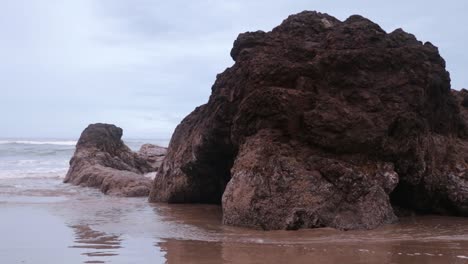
x=145 y=64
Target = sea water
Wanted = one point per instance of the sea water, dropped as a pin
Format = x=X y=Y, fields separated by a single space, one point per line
x=49 y=158
x=43 y=220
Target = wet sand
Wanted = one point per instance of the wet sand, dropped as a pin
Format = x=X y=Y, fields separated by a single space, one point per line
x=45 y=221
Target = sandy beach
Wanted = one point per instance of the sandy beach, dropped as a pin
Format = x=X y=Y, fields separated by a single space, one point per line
x=46 y=221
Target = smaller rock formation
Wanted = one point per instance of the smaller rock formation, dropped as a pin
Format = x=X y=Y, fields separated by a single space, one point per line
x=103 y=161
x=153 y=154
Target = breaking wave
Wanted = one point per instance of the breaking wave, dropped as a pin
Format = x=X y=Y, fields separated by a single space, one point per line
x=34 y=142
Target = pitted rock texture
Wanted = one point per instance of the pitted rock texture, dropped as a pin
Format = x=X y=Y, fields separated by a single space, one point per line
x=153 y=154
x=322 y=122
x=103 y=161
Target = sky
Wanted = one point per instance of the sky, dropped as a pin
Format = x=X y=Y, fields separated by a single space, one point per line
x=144 y=65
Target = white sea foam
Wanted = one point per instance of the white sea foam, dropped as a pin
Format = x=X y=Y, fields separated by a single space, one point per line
x=38 y=142
x=39 y=174
x=34 y=158
x=151 y=175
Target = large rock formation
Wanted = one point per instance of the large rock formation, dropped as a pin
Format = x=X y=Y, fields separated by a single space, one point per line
x=103 y=161
x=323 y=123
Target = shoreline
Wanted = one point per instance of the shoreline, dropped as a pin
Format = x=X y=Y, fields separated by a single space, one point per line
x=83 y=225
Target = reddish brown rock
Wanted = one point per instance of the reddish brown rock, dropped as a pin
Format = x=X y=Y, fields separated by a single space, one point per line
x=153 y=154
x=103 y=161
x=323 y=123
x=462 y=101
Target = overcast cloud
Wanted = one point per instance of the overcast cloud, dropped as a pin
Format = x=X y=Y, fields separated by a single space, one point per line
x=144 y=65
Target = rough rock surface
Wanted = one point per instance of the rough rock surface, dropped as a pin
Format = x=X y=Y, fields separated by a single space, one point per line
x=322 y=122
x=153 y=154
x=103 y=161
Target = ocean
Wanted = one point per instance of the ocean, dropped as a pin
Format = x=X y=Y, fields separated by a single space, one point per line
x=36 y=158
x=43 y=220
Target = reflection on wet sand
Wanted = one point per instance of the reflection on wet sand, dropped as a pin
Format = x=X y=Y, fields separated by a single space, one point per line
x=428 y=239
x=98 y=243
x=405 y=252
x=182 y=251
x=83 y=226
